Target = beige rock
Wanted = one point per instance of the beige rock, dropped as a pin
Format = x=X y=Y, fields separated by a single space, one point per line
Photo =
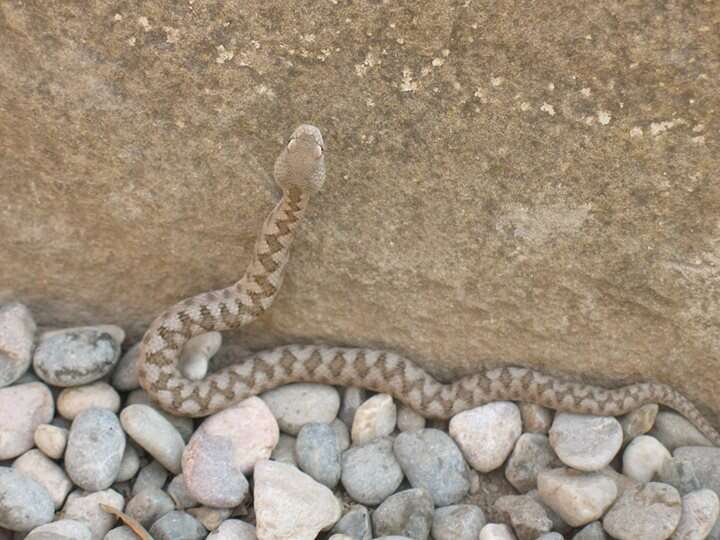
x=45 y=472
x=51 y=440
x=375 y=418
x=17 y=333
x=76 y=399
x=24 y=407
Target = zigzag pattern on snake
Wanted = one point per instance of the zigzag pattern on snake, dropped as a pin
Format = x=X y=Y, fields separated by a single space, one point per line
x=300 y=171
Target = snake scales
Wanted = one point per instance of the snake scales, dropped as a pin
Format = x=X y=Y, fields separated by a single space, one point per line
x=300 y=171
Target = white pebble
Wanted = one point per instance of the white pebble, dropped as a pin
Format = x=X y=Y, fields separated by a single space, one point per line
x=585 y=442
x=155 y=434
x=76 y=399
x=196 y=354
x=65 y=529
x=45 y=472
x=699 y=513
x=295 y=405
x=17 y=334
x=24 y=503
x=24 y=407
x=51 y=440
x=375 y=418
x=644 y=457
x=496 y=531
x=125 y=375
x=233 y=529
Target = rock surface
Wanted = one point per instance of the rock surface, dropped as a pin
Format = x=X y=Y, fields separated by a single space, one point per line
x=17 y=334
x=554 y=200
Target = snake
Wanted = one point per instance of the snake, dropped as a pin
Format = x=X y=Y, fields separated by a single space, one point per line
x=299 y=172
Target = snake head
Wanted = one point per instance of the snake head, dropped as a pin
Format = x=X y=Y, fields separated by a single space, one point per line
x=302 y=163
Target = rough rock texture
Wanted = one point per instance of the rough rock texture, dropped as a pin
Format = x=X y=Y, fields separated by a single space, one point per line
x=507 y=181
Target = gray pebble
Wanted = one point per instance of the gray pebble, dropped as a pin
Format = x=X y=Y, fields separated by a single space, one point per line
x=409 y=420
x=355 y=523
x=431 y=460
x=178 y=525
x=45 y=472
x=129 y=464
x=85 y=507
x=180 y=494
x=295 y=405
x=233 y=529
x=24 y=407
x=699 y=515
x=183 y=424
x=585 y=442
x=674 y=430
x=458 y=522
x=17 y=336
x=95 y=449
x=705 y=461
x=532 y=454
x=318 y=454
x=342 y=433
x=125 y=376
x=638 y=422
x=76 y=356
x=407 y=513
x=284 y=450
x=526 y=516
x=120 y=533
x=649 y=512
x=551 y=536
x=371 y=473
x=149 y=505
x=24 y=503
x=152 y=475
x=64 y=529
x=150 y=430
x=593 y=531
x=210 y=517
x=680 y=474
x=352 y=397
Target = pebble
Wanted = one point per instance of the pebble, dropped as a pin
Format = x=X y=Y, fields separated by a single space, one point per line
x=177 y=525
x=643 y=458
x=295 y=405
x=209 y=517
x=674 y=430
x=64 y=529
x=152 y=475
x=24 y=503
x=51 y=440
x=551 y=536
x=342 y=433
x=95 y=449
x=225 y=448
x=125 y=375
x=151 y=431
x=577 y=497
x=496 y=531
x=24 y=407
x=639 y=421
x=594 y=531
x=527 y=518
x=486 y=435
x=648 y=512
x=407 y=513
x=76 y=399
x=352 y=397
x=371 y=473
x=284 y=450
x=183 y=424
x=45 y=472
x=196 y=354
x=129 y=464
x=559 y=524
x=532 y=454
x=431 y=460
x=180 y=494
x=290 y=504
x=374 y=418
x=705 y=461
x=17 y=338
x=120 y=533
x=149 y=505
x=355 y=523
x=409 y=420
x=85 y=507
x=699 y=514
x=457 y=522
x=585 y=442
x=317 y=453
x=536 y=418
x=76 y=356
x=233 y=529
x=680 y=474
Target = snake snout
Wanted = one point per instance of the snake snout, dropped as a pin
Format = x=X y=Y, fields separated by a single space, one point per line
x=302 y=162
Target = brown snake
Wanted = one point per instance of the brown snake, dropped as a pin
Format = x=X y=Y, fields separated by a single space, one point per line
x=300 y=171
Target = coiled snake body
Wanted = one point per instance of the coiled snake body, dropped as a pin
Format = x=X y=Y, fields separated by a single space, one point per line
x=300 y=171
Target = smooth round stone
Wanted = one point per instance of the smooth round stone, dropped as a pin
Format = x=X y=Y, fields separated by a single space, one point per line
x=680 y=474
x=233 y=529
x=180 y=494
x=532 y=454
x=290 y=504
x=149 y=505
x=196 y=354
x=594 y=531
x=95 y=449
x=295 y=405
x=375 y=417
x=705 y=461
x=85 y=507
x=120 y=533
x=178 y=525
x=342 y=433
x=65 y=529
x=45 y=472
x=496 y=531
x=51 y=440
x=24 y=503
x=551 y=536
x=578 y=497
x=431 y=460
x=408 y=419
x=457 y=522
x=125 y=374
x=355 y=523
x=371 y=473
x=486 y=435
x=317 y=453
x=407 y=513
x=585 y=442
x=76 y=356
x=699 y=515
x=74 y=400
x=535 y=418
x=225 y=448
x=183 y=424
x=152 y=432
x=674 y=430
x=17 y=338
x=644 y=457
x=526 y=516
x=24 y=407
x=649 y=512
x=352 y=397
x=129 y=464
x=340 y=537
x=284 y=450
x=152 y=475
x=559 y=524
x=209 y=517
x=639 y=421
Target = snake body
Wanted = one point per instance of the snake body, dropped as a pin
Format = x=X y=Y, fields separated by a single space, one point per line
x=300 y=171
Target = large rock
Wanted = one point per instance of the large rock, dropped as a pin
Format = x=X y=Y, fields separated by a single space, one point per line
x=503 y=184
